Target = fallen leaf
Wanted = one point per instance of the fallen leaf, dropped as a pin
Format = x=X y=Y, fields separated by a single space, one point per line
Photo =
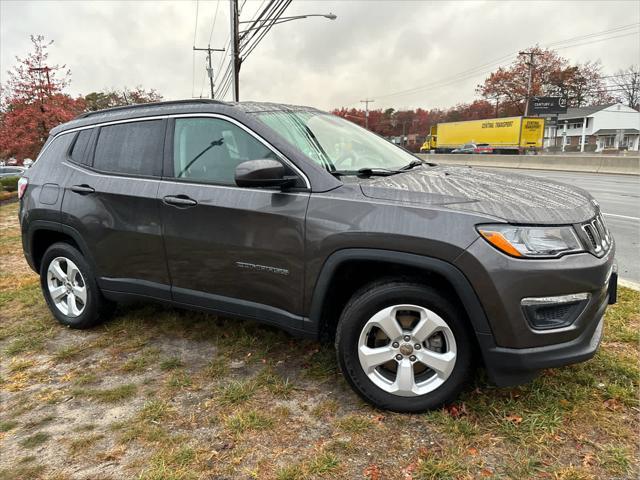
x=456 y=411
x=486 y=472
x=588 y=460
x=372 y=472
x=515 y=419
x=472 y=451
x=423 y=452
x=408 y=471
x=612 y=404
x=378 y=418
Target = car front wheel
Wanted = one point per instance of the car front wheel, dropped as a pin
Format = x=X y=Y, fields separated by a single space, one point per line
x=404 y=346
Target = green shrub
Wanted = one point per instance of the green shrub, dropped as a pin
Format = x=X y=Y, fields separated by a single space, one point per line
x=10 y=184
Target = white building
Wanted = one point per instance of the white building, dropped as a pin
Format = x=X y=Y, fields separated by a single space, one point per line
x=602 y=127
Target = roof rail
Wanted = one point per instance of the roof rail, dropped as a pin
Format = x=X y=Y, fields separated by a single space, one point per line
x=146 y=105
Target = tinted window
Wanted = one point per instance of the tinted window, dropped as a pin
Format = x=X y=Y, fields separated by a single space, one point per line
x=56 y=149
x=209 y=149
x=79 y=149
x=131 y=148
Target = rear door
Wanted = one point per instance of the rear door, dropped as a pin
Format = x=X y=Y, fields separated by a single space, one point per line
x=238 y=250
x=111 y=201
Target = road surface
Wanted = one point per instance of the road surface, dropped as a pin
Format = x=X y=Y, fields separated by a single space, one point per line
x=619 y=198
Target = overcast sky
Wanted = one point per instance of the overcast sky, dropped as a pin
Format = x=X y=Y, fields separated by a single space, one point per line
x=374 y=49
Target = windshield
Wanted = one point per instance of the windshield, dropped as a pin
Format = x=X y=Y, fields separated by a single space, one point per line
x=335 y=143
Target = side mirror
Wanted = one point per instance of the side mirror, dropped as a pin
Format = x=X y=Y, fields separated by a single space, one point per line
x=263 y=174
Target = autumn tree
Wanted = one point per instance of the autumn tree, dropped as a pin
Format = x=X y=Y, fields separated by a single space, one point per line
x=33 y=102
x=580 y=84
x=552 y=75
x=627 y=86
x=115 y=98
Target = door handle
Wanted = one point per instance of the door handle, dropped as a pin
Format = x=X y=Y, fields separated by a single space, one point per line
x=179 y=201
x=83 y=189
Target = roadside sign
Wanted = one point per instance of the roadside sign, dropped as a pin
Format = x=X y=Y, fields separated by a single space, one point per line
x=546 y=105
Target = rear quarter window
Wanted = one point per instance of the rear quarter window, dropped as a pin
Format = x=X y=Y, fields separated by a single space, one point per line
x=56 y=150
x=80 y=150
x=131 y=148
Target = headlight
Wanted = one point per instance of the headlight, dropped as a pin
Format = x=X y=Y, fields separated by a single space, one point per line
x=533 y=242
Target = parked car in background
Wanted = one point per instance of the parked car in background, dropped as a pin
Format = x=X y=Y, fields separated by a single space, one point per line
x=291 y=216
x=27 y=162
x=474 y=148
x=12 y=171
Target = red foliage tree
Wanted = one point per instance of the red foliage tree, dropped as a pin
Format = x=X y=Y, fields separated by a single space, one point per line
x=552 y=75
x=33 y=102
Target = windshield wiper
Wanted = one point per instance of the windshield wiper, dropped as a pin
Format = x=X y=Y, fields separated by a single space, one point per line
x=413 y=163
x=365 y=172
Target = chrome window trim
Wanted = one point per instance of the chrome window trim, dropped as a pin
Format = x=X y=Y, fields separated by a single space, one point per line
x=95 y=173
x=189 y=115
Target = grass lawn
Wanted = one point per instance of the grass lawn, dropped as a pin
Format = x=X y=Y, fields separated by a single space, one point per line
x=160 y=393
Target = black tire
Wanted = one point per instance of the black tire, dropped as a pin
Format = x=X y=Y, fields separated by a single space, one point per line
x=97 y=308
x=372 y=299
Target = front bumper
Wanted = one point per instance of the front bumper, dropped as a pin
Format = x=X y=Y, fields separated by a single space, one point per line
x=514 y=351
x=513 y=366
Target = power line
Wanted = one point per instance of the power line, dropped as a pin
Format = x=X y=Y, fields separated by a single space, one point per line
x=193 y=56
x=597 y=40
x=209 y=50
x=481 y=69
x=595 y=34
x=213 y=24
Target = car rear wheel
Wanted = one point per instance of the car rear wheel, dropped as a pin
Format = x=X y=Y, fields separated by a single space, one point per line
x=404 y=346
x=70 y=289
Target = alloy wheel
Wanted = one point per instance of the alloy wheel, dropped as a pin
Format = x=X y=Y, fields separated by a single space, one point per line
x=407 y=350
x=67 y=287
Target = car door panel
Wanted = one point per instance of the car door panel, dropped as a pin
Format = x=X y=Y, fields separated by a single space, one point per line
x=238 y=243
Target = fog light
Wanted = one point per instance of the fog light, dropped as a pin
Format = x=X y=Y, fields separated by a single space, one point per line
x=544 y=313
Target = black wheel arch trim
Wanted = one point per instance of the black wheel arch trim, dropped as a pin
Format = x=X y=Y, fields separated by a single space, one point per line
x=36 y=226
x=456 y=278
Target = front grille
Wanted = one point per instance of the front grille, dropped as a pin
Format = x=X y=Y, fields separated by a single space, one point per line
x=597 y=236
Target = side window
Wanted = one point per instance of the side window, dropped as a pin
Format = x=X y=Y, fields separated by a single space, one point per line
x=209 y=149
x=79 y=150
x=57 y=149
x=131 y=148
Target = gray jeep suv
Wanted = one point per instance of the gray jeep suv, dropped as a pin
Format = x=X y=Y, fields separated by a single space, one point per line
x=296 y=218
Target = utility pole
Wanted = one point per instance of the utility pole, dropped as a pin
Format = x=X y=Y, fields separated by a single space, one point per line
x=366 y=111
x=46 y=70
x=235 y=54
x=209 y=68
x=531 y=54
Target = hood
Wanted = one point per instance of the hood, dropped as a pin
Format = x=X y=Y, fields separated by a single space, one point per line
x=513 y=197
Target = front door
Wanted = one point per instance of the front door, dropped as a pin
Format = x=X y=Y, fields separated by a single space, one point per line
x=235 y=250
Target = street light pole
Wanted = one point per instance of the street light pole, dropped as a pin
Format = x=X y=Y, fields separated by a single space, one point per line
x=267 y=23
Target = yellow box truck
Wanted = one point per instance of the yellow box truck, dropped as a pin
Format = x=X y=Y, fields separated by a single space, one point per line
x=496 y=135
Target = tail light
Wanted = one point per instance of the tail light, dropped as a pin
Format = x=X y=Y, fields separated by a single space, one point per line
x=22 y=186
